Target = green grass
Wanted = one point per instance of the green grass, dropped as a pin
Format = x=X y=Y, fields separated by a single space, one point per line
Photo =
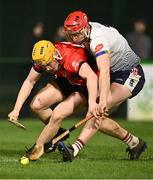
x=103 y=157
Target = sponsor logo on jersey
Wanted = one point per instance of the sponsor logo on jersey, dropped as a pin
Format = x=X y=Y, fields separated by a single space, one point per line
x=98 y=47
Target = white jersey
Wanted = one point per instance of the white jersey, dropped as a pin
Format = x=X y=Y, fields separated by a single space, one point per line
x=105 y=39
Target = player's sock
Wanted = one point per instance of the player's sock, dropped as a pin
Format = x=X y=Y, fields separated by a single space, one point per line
x=77 y=146
x=131 y=140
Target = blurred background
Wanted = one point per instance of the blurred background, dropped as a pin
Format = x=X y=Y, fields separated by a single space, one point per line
x=22 y=23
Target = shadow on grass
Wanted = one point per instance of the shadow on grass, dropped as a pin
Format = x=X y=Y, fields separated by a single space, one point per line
x=110 y=158
x=6 y=154
x=10 y=152
x=55 y=157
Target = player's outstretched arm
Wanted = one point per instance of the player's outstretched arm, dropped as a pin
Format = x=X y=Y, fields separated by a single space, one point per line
x=24 y=92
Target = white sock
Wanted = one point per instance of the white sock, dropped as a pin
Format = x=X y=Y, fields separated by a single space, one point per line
x=77 y=146
x=131 y=140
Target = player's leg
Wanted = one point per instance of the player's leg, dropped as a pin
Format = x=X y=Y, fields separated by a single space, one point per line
x=54 y=92
x=46 y=97
x=88 y=131
x=132 y=84
x=62 y=110
x=113 y=128
x=40 y=105
x=118 y=94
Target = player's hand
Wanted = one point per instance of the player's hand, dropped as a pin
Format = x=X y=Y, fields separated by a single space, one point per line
x=100 y=111
x=13 y=115
x=91 y=109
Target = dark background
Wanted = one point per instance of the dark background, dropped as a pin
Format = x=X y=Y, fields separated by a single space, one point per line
x=17 y=18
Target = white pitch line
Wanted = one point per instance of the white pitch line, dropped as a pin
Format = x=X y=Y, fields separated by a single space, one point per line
x=8 y=160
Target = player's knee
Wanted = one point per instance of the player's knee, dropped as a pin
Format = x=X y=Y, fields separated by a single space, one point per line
x=57 y=117
x=104 y=125
x=107 y=125
x=37 y=104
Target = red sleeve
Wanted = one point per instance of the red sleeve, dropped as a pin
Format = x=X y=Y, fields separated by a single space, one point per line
x=76 y=60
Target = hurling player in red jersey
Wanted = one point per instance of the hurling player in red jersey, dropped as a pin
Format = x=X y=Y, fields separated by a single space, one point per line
x=74 y=83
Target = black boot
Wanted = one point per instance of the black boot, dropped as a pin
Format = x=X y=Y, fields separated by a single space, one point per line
x=49 y=147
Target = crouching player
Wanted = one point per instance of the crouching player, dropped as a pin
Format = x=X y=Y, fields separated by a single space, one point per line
x=59 y=89
x=67 y=62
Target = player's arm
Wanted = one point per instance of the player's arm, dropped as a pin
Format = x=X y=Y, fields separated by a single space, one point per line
x=24 y=92
x=88 y=74
x=100 y=47
x=103 y=63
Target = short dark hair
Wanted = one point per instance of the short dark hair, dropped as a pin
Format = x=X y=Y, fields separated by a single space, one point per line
x=142 y=20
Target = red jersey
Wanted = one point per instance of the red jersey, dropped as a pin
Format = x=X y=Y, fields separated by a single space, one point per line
x=73 y=56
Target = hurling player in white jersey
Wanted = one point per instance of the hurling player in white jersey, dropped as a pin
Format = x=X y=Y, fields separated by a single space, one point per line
x=120 y=77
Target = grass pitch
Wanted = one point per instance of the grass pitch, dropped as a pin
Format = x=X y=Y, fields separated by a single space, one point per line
x=103 y=157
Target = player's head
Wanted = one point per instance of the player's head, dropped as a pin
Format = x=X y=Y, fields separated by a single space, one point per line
x=76 y=26
x=45 y=54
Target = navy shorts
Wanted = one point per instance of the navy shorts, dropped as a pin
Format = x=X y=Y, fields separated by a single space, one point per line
x=67 y=88
x=135 y=82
